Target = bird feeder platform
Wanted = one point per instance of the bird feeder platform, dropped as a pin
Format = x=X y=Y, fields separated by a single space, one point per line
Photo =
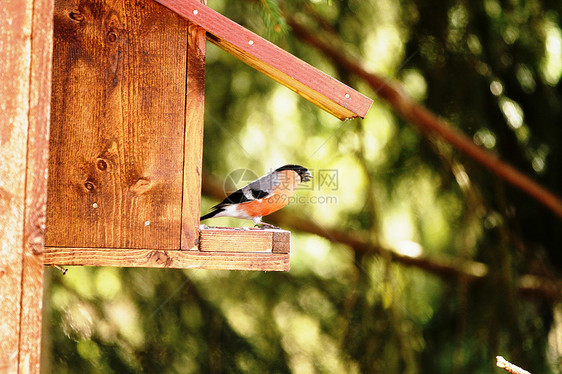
x=224 y=248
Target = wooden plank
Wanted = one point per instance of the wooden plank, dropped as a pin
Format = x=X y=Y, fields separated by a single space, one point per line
x=116 y=163
x=236 y=240
x=309 y=82
x=15 y=46
x=227 y=239
x=193 y=136
x=167 y=259
x=25 y=47
x=36 y=187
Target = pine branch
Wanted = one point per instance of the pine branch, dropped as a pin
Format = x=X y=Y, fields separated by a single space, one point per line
x=273 y=18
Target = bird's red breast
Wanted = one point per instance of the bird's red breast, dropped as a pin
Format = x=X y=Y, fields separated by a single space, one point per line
x=278 y=199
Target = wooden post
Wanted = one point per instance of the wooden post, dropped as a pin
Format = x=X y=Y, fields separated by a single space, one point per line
x=194 y=122
x=25 y=73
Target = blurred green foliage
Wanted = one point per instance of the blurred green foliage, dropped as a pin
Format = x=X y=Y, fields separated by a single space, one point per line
x=491 y=68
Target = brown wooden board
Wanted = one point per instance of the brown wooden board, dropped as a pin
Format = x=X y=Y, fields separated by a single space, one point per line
x=36 y=186
x=168 y=259
x=15 y=20
x=224 y=248
x=117 y=133
x=245 y=240
x=194 y=121
x=25 y=47
x=309 y=82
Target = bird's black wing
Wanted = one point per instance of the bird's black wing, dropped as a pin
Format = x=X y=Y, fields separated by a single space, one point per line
x=236 y=197
x=258 y=189
x=242 y=195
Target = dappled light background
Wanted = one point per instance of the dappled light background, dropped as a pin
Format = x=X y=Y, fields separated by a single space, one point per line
x=437 y=284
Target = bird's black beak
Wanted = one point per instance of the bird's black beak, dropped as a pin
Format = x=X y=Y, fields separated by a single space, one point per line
x=306 y=176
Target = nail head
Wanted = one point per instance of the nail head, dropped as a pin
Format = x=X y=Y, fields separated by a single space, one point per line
x=111 y=37
x=102 y=165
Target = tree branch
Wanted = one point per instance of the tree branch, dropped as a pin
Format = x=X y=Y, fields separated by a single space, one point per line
x=448 y=268
x=426 y=121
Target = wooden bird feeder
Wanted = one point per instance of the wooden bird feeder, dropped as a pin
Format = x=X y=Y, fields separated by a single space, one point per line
x=122 y=85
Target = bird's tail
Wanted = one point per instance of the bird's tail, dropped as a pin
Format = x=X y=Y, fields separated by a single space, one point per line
x=211 y=214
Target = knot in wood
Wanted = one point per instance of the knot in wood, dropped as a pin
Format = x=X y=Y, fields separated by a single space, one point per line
x=76 y=16
x=141 y=186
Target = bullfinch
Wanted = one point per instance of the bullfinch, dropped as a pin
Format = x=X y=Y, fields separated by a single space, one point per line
x=263 y=196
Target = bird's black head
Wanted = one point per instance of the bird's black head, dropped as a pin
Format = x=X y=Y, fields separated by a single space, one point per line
x=303 y=172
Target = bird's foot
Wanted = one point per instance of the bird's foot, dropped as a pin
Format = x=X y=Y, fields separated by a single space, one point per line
x=264 y=225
